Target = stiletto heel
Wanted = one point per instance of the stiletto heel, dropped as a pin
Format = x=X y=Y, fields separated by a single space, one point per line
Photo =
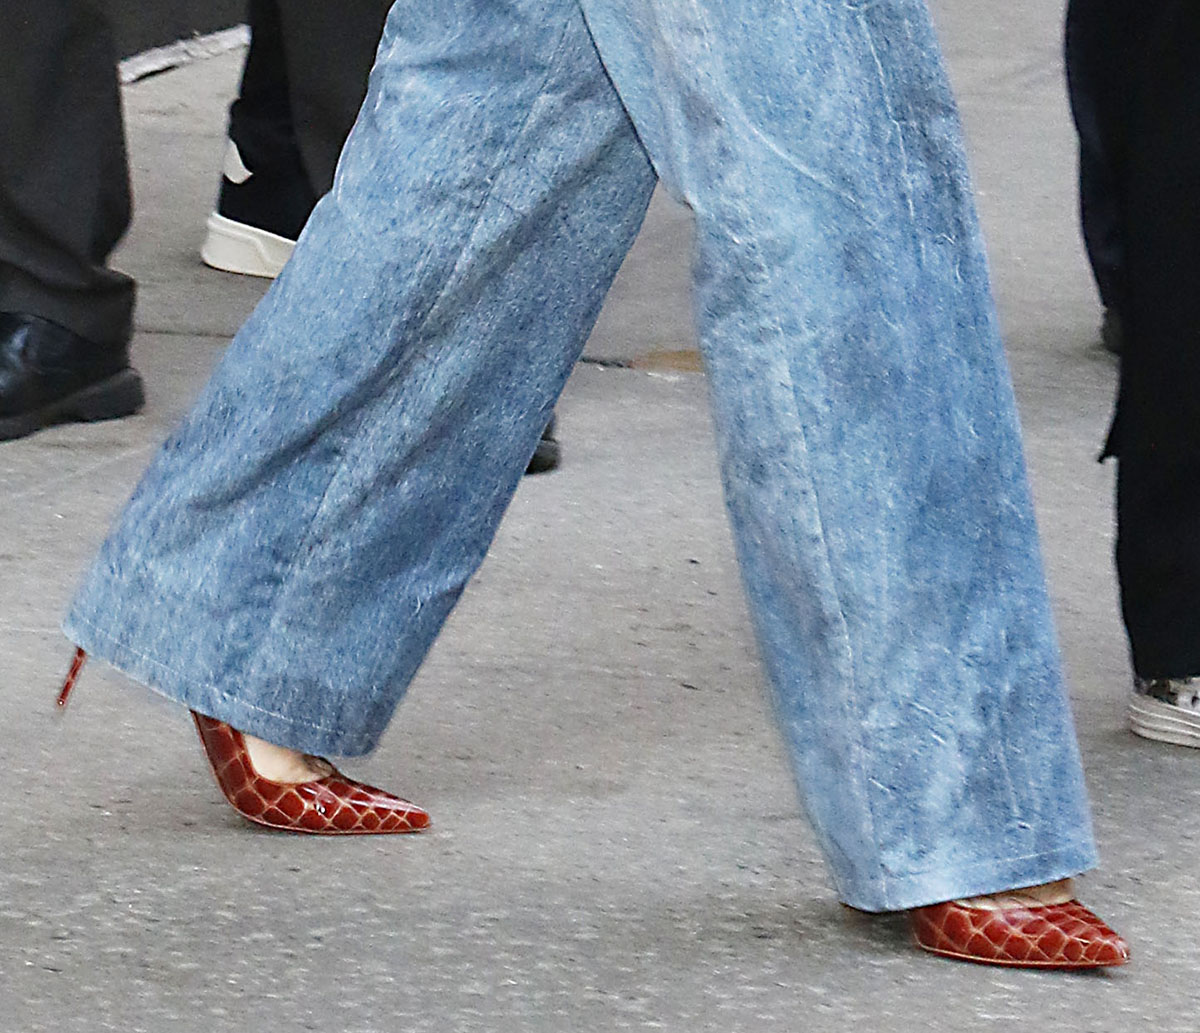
x=333 y=806
x=77 y=663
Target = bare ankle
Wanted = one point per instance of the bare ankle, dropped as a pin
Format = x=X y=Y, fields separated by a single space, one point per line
x=1058 y=892
x=281 y=764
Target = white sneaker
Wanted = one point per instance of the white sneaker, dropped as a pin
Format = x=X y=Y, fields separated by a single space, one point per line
x=238 y=247
x=258 y=217
x=1166 y=709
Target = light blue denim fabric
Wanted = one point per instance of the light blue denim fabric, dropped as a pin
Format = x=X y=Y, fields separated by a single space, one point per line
x=298 y=542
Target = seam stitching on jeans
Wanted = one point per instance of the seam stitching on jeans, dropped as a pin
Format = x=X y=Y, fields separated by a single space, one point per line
x=891 y=114
x=419 y=327
x=840 y=609
x=305 y=539
x=855 y=720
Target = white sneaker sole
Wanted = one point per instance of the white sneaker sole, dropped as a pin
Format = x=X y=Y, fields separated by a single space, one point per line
x=1152 y=719
x=234 y=247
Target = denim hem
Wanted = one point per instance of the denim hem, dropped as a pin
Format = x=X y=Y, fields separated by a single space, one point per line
x=210 y=700
x=899 y=893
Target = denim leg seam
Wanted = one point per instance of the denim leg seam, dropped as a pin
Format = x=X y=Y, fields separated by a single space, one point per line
x=891 y=114
x=183 y=679
x=908 y=198
x=489 y=197
x=858 y=752
x=306 y=538
x=827 y=560
x=450 y=277
x=853 y=720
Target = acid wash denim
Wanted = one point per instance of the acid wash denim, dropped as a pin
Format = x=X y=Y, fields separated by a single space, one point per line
x=299 y=540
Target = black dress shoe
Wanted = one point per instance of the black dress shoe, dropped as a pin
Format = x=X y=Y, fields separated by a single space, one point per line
x=546 y=456
x=48 y=375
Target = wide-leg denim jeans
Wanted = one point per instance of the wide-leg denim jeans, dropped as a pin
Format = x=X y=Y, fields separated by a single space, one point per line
x=299 y=540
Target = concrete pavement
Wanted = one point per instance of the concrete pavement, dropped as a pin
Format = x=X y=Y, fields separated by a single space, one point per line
x=617 y=843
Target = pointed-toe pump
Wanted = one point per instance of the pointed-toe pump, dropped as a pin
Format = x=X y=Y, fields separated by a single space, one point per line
x=1059 y=936
x=334 y=805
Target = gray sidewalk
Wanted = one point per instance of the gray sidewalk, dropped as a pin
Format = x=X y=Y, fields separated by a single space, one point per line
x=617 y=843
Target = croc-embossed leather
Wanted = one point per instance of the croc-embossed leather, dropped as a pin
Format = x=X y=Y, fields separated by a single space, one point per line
x=334 y=805
x=1034 y=936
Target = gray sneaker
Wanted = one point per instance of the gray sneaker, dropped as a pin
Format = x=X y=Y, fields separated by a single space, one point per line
x=1166 y=709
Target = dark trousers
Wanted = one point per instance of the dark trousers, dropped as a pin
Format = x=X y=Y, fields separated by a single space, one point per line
x=1097 y=77
x=1145 y=117
x=304 y=80
x=64 y=179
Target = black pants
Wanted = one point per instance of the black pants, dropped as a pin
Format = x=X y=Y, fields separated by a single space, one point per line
x=64 y=178
x=1143 y=111
x=304 y=81
x=1097 y=56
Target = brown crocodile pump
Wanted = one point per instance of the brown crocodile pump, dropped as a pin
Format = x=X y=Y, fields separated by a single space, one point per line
x=330 y=806
x=1033 y=936
x=333 y=806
